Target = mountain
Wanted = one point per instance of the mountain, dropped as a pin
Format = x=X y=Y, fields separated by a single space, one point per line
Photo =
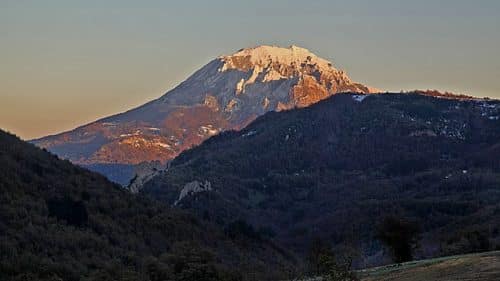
x=61 y=222
x=226 y=94
x=334 y=170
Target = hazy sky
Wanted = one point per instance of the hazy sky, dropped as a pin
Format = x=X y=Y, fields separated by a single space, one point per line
x=65 y=63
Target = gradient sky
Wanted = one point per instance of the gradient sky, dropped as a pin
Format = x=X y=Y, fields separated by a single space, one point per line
x=65 y=63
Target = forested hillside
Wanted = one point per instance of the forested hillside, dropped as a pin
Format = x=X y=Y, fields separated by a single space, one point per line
x=337 y=169
x=61 y=222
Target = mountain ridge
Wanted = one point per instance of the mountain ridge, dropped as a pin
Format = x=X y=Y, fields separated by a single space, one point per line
x=337 y=167
x=226 y=94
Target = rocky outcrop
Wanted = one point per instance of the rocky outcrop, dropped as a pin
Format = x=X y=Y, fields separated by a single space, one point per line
x=192 y=188
x=144 y=172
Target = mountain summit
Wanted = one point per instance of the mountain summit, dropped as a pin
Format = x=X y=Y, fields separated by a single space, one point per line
x=227 y=93
x=310 y=78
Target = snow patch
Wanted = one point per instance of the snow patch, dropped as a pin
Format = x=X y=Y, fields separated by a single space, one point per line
x=255 y=73
x=240 y=86
x=162 y=144
x=208 y=130
x=263 y=55
x=265 y=103
x=273 y=75
x=488 y=110
x=359 y=98
x=248 y=134
x=231 y=105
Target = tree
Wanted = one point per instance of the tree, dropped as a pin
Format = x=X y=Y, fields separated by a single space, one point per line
x=322 y=262
x=332 y=270
x=400 y=236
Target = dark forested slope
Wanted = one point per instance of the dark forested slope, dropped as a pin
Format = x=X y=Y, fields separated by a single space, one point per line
x=61 y=222
x=336 y=169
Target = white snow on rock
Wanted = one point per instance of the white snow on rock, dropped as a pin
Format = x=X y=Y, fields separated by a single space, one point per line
x=273 y=75
x=231 y=105
x=359 y=98
x=256 y=71
x=240 y=86
x=192 y=188
x=256 y=80
x=250 y=133
x=208 y=130
x=488 y=109
x=162 y=144
x=263 y=55
x=271 y=63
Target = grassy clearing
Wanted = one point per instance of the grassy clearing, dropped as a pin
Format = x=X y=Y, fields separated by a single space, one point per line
x=471 y=267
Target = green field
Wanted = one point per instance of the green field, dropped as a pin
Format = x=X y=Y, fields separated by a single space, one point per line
x=483 y=266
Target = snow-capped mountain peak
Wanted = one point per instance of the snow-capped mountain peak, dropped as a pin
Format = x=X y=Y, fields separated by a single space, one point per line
x=265 y=56
x=226 y=94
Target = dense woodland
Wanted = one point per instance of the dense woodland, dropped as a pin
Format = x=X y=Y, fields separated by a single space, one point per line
x=338 y=169
x=61 y=222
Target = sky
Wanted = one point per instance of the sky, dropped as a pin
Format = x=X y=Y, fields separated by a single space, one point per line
x=66 y=63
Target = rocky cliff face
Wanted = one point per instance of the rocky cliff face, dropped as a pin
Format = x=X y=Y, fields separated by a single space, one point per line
x=227 y=93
